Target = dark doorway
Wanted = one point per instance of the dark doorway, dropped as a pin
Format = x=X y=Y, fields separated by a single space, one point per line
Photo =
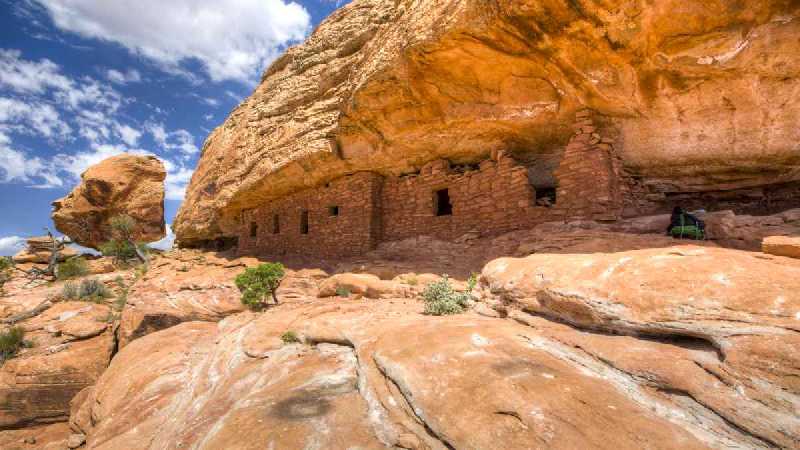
x=442 y=204
x=276 y=224
x=253 y=229
x=546 y=196
x=304 y=222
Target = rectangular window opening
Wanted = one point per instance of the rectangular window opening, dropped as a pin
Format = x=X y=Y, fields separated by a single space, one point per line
x=304 y=222
x=442 y=205
x=546 y=197
x=276 y=224
x=253 y=229
x=333 y=211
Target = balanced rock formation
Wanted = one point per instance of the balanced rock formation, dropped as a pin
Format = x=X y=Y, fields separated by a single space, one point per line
x=123 y=184
x=679 y=347
x=697 y=99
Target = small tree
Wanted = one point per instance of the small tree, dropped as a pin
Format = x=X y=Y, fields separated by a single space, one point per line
x=122 y=246
x=256 y=283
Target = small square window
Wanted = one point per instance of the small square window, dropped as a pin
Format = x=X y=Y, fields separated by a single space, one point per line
x=333 y=211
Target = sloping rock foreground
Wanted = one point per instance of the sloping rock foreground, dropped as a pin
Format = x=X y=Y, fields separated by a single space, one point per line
x=699 y=96
x=125 y=184
x=679 y=347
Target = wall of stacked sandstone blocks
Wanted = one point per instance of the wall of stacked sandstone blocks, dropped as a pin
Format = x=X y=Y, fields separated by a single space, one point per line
x=352 y=214
x=341 y=218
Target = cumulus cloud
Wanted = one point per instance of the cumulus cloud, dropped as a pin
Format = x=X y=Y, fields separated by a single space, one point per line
x=16 y=165
x=23 y=76
x=232 y=39
x=165 y=244
x=10 y=245
x=131 y=76
x=180 y=140
x=29 y=116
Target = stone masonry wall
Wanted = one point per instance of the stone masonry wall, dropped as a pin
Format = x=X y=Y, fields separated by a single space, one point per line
x=493 y=197
x=351 y=229
x=496 y=197
x=589 y=175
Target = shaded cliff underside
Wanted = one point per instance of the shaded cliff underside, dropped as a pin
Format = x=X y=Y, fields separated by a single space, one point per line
x=698 y=95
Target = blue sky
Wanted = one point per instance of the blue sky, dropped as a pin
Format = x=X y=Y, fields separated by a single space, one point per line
x=82 y=80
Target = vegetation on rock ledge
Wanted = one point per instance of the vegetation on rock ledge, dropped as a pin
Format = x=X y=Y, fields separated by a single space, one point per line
x=256 y=283
x=441 y=299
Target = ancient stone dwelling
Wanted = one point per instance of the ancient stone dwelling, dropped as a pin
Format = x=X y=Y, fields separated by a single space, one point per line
x=352 y=214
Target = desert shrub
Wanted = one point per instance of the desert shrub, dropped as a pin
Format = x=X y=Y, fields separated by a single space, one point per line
x=342 y=291
x=256 y=283
x=11 y=341
x=5 y=272
x=72 y=268
x=441 y=299
x=290 y=337
x=122 y=250
x=87 y=290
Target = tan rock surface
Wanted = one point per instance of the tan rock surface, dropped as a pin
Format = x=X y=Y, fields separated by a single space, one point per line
x=707 y=359
x=123 y=184
x=702 y=96
x=44 y=437
x=782 y=246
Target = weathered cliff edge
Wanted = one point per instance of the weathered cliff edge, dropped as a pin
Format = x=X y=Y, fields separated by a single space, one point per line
x=699 y=96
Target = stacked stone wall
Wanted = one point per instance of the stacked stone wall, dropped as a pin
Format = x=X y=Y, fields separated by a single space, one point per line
x=343 y=219
x=494 y=197
x=589 y=175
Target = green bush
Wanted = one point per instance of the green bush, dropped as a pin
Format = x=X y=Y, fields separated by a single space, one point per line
x=122 y=250
x=87 y=290
x=290 y=337
x=11 y=342
x=342 y=291
x=440 y=298
x=5 y=272
x=256 y=283
x=72 y=268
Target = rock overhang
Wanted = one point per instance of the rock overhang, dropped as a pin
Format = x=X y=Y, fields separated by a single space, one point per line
x=389 y=87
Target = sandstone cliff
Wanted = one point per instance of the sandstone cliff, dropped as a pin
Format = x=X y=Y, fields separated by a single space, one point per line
x=698 y=95
x=123 y=184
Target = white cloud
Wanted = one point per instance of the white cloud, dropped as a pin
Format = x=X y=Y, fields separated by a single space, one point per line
x=180 y=139
x=233 y=39
x=165 y=244
x=27 y=116
x=209 y=117
x=176 y=182
x=129 y=135
x=17 y=166
x=10 y=245
x=29 y=76
x=131 y=76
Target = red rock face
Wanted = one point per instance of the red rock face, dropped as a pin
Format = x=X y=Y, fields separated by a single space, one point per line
x=696 y=96
x=123 y=184
x=704 y=360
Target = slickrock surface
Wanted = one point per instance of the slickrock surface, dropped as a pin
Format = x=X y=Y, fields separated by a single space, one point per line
x=45 y=437
x=123 y=184
x=675 y=347
x=701 y=96
x=782 y=246
x=72 y=343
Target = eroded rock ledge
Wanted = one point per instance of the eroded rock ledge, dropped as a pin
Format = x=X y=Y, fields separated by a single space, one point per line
x=698 y=96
